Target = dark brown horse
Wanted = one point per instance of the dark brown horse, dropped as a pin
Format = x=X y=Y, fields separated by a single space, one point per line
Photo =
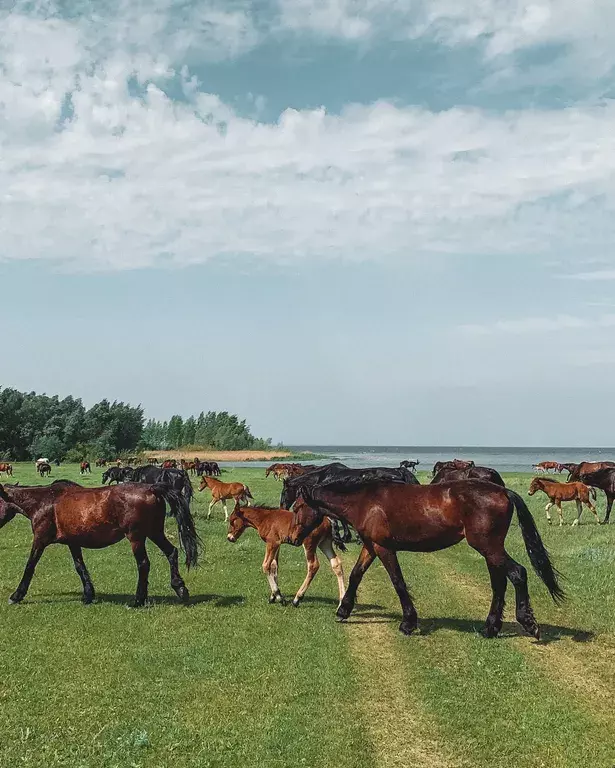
x=169 y=464
x=84 y=468
x=275 y=527
x=43 y=469
x=100 y=463
x=6 y=467
x=426 y=518
x=575 y=471
x=604 y=480
x=453 y=464
x=470 y=473
x=67 y=513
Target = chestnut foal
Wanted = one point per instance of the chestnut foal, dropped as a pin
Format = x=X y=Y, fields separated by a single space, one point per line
x=220 y=492
x=275 y=527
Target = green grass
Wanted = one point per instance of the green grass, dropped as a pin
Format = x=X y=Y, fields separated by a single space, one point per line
x=234 y=681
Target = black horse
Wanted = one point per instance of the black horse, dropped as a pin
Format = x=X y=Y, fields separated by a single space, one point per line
x=471 y=473
x=207 y=468
x=176 y=479
x=116 y=475
x=411 y=465
x=604 y=480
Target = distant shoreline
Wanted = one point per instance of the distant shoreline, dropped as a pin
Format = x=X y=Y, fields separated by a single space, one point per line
x=246 y=456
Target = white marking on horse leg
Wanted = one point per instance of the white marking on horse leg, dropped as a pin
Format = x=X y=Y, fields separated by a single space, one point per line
x=312 y=569
x=561 y=514
x=211 y=506
x=225 y=511
x=547 y=508
x=336 y=565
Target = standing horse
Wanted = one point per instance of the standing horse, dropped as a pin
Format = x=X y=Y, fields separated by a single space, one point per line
x=426 y=518
x=177 y=479
x=471 y=473
x=116 y=475
x=66 y=513
x=169 y=464
x=559 y=492
x=100 y=463
x=220 y=492
x=6 y=467
x=411 y=465
x=604 y=480
x=43 y=469
x=85 y=468
x=275 y=527
x=188 y=466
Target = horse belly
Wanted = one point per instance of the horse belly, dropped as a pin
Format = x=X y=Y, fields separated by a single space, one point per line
x=91 y=531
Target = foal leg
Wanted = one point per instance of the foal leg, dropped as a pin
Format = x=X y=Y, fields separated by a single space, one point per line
x=88 y=587
x=212 y=503
x=391 y=563
x=170 y=551
x=326 y=546
x=35 y=555
x=560 y=513
x=312 y=565
x=577 y=521
x=140 y=554
x=366 y=558
x=225 y=511
x=270 y=569
x=547 y=508
x=593 y=510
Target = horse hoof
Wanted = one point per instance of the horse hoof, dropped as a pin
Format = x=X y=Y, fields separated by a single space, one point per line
x=184 y=595
x=406 y=628
x=296 y=602
x=88 y=600
x=271 y=599
x=14 y=601
x=489 y=632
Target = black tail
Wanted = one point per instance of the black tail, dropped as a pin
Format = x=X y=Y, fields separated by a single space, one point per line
x=248 y=493
x=189 y=540
x=187 y=489
x=340 y=532
x=592 y=490
x=536 y=550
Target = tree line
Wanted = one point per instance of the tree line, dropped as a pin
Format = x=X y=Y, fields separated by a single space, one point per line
x=33 y=425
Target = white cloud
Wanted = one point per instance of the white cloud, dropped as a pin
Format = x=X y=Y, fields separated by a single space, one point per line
x=597 y=275
x=94 y=175
x=540 y=325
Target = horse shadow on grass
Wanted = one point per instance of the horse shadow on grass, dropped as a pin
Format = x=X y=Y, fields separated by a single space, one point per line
x=549 y=633
x=220 y=601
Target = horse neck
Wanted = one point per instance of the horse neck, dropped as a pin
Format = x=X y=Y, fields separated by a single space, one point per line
x=24 y=499
x=254 y=516
x=332 y=503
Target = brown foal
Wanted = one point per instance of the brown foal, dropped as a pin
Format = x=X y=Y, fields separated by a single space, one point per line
x=559 y=492
x=220 y=492
x=276 y=527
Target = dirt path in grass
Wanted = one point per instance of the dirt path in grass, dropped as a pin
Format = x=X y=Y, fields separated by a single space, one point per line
x=587 y=668
x=400 y=732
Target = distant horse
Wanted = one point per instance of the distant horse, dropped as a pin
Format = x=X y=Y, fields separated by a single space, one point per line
x=169 y=464
x=65 y=513
x=559 y=492
x=220 y=492
x=277 y=470
x=586 y=467
x=391 y=517
x=43 y=469
x=545 y=466
x=486 y=474
x=100 y=463
x=453 y=464
x=177 y=479
x=116 y=475
x=275 y=526
x=411 y=465
x=6 y=467
x=208 y=468
x=188 y=466
x=84 y=468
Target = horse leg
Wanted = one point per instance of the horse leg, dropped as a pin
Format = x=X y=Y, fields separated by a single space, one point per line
x=518 y=578
x=609 y=504
x=140 y=554
x=389 y=559
x=558 y=504
x=497 y=574
x=270 y=569
x=366 y=558
x=35 y=555
x=161 y=541
x=312 y=569
x=593 y=510
x=211 y=506
x=579 y=512
x=326 y=547
x=80 y=567
x=547 y=510
x=225 y=510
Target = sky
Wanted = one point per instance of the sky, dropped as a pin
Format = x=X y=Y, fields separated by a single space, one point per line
x=384 y=222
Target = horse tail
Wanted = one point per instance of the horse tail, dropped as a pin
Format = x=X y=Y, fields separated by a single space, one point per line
x=247 y=492
x=536 y=550
x=592 y=491
x=189 y=541
x=187 y=489
x=340 y=533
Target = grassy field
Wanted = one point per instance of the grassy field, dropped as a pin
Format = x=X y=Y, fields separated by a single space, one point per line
x=234 y=681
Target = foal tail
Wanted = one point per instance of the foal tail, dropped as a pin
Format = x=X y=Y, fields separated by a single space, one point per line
x=247 y=493
x=592 y=491
x=536 y=550
x=189 y=540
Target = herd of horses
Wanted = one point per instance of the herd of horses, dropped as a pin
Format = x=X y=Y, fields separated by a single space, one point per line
x=385 y=509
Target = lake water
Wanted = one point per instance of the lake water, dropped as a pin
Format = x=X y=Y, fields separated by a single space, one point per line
x=502 y=459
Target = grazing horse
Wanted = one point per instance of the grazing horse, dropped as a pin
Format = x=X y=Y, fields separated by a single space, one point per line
x=43 y=469
x=169 y=464
x=177 y=479
x=188 y=466
x=411 y=465
x=275 y=526
x=85 y=468
x=67 y=513
x=472 y=473
x=391 y=517
x=275 y=470
x=208 y=468
x=220 y=492
x=116 y=475
x=453 y=464
x=100 y=463
x=559 y=492
x=6 y=467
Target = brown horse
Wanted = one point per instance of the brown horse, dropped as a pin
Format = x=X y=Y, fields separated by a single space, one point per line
x=84 y=468
x=100 y=463
x=559 y=492
x=275 y=527
x=459 y=464
x=427 y=518
x=276 y=470
x=576 y=471
x=220 y=492
x=188 y=466
x=43 y=469
x=67 y=513
x=169 y=464
x=545 y=466
x=6 y=467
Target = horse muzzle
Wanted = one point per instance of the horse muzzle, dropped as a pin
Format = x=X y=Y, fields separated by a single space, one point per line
x=231 y=538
